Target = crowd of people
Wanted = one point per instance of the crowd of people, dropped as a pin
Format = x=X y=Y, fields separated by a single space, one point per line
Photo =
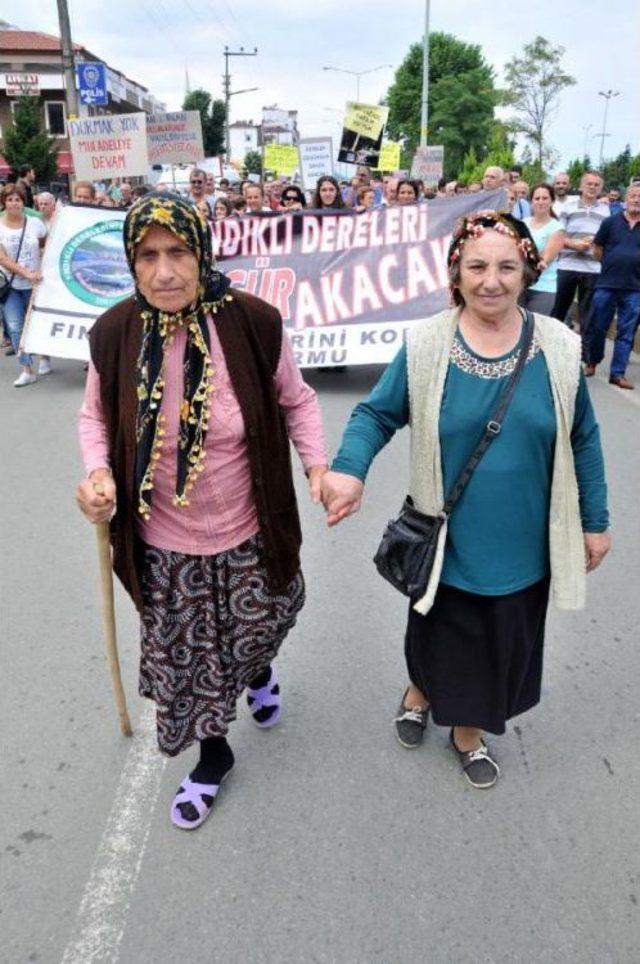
x=589 y=275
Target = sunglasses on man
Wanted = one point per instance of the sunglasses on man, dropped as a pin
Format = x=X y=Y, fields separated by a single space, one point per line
x=197 y=183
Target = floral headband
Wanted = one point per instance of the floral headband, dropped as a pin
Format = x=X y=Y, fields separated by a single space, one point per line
x=475 y=225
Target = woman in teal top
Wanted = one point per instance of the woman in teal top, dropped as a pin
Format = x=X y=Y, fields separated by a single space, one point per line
x=475 y=658
x=548 y=236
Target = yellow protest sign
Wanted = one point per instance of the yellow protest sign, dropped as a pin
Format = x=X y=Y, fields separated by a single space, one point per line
x=365 y=119
x=281 y=158
x=389 y=156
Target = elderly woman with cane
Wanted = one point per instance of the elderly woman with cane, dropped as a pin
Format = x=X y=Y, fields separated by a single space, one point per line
x=192 y=397
x=524 y=510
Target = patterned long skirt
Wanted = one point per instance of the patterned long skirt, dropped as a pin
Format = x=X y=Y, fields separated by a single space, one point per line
x=210 y=625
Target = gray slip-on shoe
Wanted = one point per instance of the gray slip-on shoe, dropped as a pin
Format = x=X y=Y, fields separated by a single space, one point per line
x=410 y=724
x=479 y=767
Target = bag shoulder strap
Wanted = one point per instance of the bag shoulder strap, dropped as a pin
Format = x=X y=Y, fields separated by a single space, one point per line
x=494 y=425
x=24 y=228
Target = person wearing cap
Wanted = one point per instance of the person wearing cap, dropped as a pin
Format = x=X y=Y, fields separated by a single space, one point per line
x=533 y=515
x=191 y=400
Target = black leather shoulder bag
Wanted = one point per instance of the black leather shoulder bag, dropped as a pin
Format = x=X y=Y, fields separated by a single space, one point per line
x=407 y=551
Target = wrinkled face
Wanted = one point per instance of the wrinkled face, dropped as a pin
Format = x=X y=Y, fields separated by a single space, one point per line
x=491 y=274
x=561 y=185
x=328 y=193
x=46 y=206
x=166 y=270
x=13 y=204
x=541 y=202
x=633 y=201
x=590 y=187
x=406 y=194
x=491 y=179
x=521 y=189
x=82 y=195
x=253 y=196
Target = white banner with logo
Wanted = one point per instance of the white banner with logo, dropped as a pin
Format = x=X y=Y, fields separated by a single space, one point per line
x=84 y=272
x=112 y=145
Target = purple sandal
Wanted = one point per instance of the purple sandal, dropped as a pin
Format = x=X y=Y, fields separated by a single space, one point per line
x=265 y=703
x=200 y=795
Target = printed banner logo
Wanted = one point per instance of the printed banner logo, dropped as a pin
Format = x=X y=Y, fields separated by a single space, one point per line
x=93 y=265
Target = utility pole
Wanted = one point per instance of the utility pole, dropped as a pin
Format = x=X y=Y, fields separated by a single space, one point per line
x=68 y=63
x=424 y=119
x=226 y=83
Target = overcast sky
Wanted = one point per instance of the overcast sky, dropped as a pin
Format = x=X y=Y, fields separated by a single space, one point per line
x=154 y=40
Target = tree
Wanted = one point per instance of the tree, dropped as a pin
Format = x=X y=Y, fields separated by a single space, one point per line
x=253 y=162
x=499 y=154
x=462 y=97
x=212 y=115
x=534 y=84
x=577 y=168
x=25 y=142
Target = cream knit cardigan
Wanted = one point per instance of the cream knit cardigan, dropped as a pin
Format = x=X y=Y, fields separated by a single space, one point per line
x=428 y=349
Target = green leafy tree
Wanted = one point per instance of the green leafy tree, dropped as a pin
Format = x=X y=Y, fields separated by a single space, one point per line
x=462 y=97
x=577 y=168
x=535 y=81
x=617 y=172
x=499 y=154
x=26 y=142
x=212 y=115
x=253 y=162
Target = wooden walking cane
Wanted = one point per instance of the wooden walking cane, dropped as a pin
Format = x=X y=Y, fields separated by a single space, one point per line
x=109 y=622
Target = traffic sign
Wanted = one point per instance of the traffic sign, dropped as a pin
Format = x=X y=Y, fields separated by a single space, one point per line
x=92 y=83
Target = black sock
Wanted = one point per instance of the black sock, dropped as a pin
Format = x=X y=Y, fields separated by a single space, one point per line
x=216 y=759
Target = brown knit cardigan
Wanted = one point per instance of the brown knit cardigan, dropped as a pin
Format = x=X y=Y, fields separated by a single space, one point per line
x=250 y=333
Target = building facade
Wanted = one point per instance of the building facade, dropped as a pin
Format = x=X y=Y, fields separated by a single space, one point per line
x=31 y=62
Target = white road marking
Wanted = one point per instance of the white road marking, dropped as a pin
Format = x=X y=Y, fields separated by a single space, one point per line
x=103 y=910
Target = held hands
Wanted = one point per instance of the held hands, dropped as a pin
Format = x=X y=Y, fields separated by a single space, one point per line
x=341 y=496
x=596 y=546
x=96 y=496
x=314 y=477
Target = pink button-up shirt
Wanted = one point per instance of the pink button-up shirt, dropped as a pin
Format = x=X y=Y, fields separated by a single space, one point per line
x=222 y=512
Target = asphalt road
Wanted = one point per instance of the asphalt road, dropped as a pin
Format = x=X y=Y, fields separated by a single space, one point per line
x=330 y=842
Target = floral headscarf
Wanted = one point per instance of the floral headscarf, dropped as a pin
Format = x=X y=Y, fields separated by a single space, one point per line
x=170 y=211
x=475 y=225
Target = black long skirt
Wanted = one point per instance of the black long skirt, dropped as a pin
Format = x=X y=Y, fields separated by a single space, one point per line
x=478 y=659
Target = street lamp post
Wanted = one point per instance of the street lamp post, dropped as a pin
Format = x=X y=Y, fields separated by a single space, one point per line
x=607 y=94
x=358 y=74
x=424 y=117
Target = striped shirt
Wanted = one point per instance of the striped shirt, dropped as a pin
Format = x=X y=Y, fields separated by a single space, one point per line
x=580 y=220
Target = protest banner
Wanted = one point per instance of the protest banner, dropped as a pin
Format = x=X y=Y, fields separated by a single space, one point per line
x=84 y=272
x=316 y=159
x=362 y=133
x=112 y=145
x=175 y=138
x=427 y=164
x=348 y=286
x=280 y=158
x=389 y=156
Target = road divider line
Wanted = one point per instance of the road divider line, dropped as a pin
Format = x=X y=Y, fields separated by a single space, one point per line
x=102 y=915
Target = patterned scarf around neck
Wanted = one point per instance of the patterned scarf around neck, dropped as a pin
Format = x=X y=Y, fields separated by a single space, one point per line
x=174 y=214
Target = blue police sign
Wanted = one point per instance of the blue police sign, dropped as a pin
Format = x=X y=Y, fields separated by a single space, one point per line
x=92 y=83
